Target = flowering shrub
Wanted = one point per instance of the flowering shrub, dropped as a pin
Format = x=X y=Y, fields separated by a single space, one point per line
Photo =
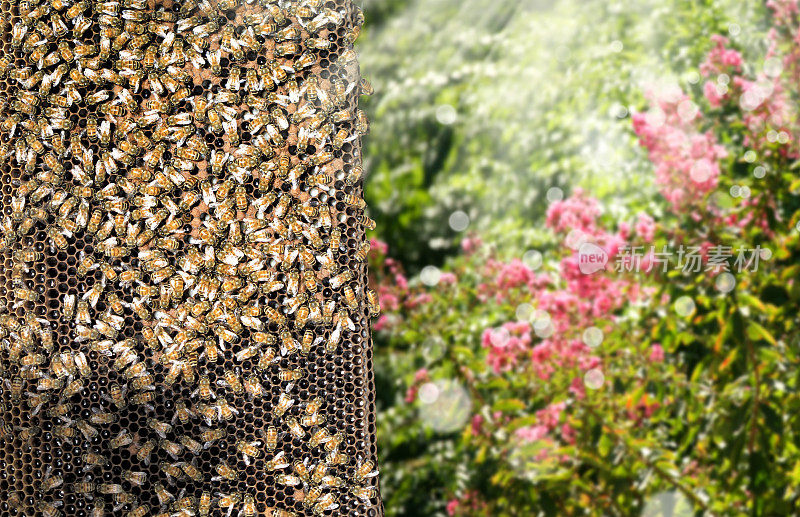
x=536 y=387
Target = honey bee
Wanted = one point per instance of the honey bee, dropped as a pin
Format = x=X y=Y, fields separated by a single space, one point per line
x=50 y=482
x=266 y=358
x=338 y=280
x=366 y=222
x=290 y=375
x=68 y=306
x=204 y=504
x=249 y=506
x=49 y=509
x=350 y=297
x=101 y=418
x=226 y=411
x=285 y=401
x=191 y=445
x=142 y=398
x=139 y=511
x=288 y=480
x=164 y=496
x=172 y=470
x=224 y=471
x=320 y=436
x=136 y=478
x=365 y=493
x=248 y=450
x=110 y=488
x=295 y=428
x=232 y=381
x=171 y=448
x=228 y=500
x=335 y=457
x=192 y=471
x=204 y=388
x=373 y=303
x=92 y=459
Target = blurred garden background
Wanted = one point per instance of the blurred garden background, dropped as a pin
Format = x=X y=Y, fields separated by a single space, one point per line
x=507 y=138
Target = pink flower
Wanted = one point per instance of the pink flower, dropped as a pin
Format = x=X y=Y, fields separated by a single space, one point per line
x=382 y=323
x=656 y=353
x=401 y=281
x=721 y=59
x=378 y=246
x=574 y=213
x=452 y=506
x=686 y=161
x=568 y=433
x=506 y=345
x=471 y=244
x=784 y=11
x=447 y=278
x=645 y=227
x=531 y=433
x=411 y=394
x=420 y=299
x=476 y=425
x=713 y=95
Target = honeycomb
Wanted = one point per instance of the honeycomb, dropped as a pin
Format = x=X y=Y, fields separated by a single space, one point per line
x=184 y=315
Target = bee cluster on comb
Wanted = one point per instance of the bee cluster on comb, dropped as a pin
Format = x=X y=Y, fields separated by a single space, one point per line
x=184 y=315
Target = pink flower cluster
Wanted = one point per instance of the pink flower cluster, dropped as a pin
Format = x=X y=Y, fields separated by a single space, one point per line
x=577 y=212
x=721 y=59
x=467 y=505
x=564 y=307
x=766 y=110
x=586 y=296
x=471 y=244
x=548 y=420
x=390 y=283
x=507 y=344
x=686 y=160
x=508 y=278
x=784 y=12
x=420 y=377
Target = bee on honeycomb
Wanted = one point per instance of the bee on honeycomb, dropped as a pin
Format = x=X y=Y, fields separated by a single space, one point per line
x=184 y=317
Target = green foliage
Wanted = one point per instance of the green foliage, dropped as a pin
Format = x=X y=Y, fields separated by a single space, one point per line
x=712 y=429
x=540 y=91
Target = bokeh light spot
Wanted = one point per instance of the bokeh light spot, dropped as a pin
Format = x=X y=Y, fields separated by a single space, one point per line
x=684 y=306
x=524 y=311
x=499 y=337
x=446 y=406
x=773 y=67
x=459 y=220
x=446 y=114
x=555 y=194
x=532 y=259
x=668 y=504
x=592 y=336
x=594 y=379
x=430 y=275
x=725 y=282
x=428 y=393
x=700 y=172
